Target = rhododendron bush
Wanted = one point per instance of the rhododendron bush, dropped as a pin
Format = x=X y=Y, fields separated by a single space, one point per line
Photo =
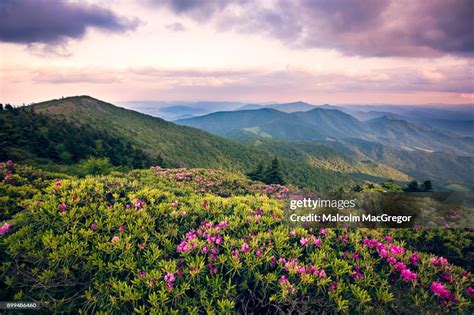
x=195 y=241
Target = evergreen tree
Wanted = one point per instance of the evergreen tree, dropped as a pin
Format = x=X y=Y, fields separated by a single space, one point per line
x=427 y=186
x=274 y=174
x=357 y=188
x=413 y=187
x=259 y=173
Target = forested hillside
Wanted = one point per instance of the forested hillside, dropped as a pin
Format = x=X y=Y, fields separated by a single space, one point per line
x=69 y=130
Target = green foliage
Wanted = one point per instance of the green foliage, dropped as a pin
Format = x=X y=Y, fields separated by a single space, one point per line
x=94 y=166
x=26 y=135
x=197 y=241
x=164 y=143
x=271 y=174
x=413 y=186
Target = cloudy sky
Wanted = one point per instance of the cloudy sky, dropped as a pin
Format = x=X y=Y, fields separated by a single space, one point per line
x=319 y=51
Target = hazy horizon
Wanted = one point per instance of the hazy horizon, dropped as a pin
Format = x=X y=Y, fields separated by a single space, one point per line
x=334 y=52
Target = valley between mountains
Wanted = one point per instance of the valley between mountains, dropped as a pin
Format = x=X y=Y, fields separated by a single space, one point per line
x=319 y=149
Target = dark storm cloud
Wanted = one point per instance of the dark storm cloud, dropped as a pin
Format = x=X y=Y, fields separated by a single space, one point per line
x=54 y=21
x=355 y=27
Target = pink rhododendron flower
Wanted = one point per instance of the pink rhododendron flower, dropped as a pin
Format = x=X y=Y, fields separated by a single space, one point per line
x=303 y=241
x=169 y=279
x=301 y=270
x=115 y=239
x=323 y=232
x=470 y=291
x=439 y=290
x=407 y=275
x=62 y=207
x=204 y=204
x=245 y=248
x=258 y=253
x=142 y=274
x=4 y=228
x=438 y=262
x=414 y=259
x=391 y=260
x=388 y=239
x=235 y=253
x=292 y=233
x=333 y=286
x=122 y=229
x=183 y=247
x=283 y=279
x=400 y=266
x=58 y=183
x=396 y=250
x=93 y=226
x=449 y=277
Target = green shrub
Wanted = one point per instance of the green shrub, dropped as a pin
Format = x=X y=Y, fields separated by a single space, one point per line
x=196 y=241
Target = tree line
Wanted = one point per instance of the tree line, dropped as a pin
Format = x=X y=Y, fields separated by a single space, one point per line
x=26 y=135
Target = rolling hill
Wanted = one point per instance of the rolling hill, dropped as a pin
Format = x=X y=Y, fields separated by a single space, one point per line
x=443 y=168
x=185 y=146
x=315 y=124
x=323 y=123
x=401 y=133
x=411 y=148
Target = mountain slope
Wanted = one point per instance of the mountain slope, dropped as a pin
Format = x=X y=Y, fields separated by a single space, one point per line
x=277 y=124
x=185 y=146
x=315 y=124
x=444 y=169
x=398 y=132
x=334 y=123
x=176 y=144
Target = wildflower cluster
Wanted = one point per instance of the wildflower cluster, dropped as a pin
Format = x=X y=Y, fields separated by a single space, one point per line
x=152 y=239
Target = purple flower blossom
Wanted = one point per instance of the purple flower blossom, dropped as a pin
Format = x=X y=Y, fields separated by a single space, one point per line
x=333 y=286
x=407 y=275
x=122 y=229
x=439 y=290
x=414 y=259
x=58 y=183
x=62 y=207
x=304 y=242
x=4 y=228
x=169 y=279
x=399 y=266
x=93 y=227
x=470 y=291
x=245 y=248
x=388 y=239
x=392 y=260
x=283 y=279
